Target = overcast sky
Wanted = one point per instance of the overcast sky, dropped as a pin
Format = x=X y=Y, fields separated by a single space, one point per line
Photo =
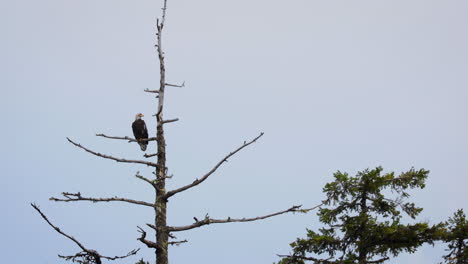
x=335 y=85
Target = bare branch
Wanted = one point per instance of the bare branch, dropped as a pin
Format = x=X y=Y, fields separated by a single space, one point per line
x=74 y=197
x=150 y=155
x=175 y=85
x=169 y=121
x=309 y=209
x=198 y=181
x=177 y=243
x=131 y=253
x=152 y=183
x=58 y=229
x=113 y=158
x=83 y=258
x=151 y=91
x=126 y=138
x=90 y=255
x=164 y=14
x=207 y=220
x=162 y=67
x=143 y=239
x=152 y=226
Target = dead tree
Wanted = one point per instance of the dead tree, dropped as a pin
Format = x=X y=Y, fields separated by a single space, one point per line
x=164 y=232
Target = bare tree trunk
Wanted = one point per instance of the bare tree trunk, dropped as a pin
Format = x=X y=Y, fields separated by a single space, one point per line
x=162 y=235
x=161 y=201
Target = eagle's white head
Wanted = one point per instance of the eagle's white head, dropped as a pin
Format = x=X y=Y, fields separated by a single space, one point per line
x=139 y=116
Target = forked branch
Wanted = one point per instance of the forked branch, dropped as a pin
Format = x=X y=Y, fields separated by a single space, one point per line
x=75 y=197
x=207 y=220
x=113 y=158
x=143 y=239
x=89 y=255
x=198 y=181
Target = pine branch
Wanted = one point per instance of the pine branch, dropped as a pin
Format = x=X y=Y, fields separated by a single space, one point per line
x=315 y=260
x=225 y=159
x=113 y=158
x=377 y=261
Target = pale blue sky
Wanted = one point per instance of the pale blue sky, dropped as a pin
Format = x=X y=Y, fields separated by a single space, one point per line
x=335 y=85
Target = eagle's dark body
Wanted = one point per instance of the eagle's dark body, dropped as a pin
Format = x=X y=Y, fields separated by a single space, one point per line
x=140 y=132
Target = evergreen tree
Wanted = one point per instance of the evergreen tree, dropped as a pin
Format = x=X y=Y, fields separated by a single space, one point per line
x=363 y=217
x=141 y=261
x=456 y=236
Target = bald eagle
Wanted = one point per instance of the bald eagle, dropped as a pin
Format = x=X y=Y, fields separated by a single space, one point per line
x=139 y=131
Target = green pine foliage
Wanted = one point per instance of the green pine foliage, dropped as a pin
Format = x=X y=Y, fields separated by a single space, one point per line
x=456 y=236
x=362 y=217
x=141 y=261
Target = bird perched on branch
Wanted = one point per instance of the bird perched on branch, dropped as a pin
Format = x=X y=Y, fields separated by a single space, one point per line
x=139 y=131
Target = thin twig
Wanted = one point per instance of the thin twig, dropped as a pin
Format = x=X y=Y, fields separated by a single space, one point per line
x=170 y=121
x=207 y=220
x=133 y=252
x=152 y=226
x=198 y=181
x=310 y=209
x=164 y=13
x=175 y=85
x=151 y=91
x=113 y=158
x=74 y=197
x=177 y=243
x=150 y=155
x=152 y=183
